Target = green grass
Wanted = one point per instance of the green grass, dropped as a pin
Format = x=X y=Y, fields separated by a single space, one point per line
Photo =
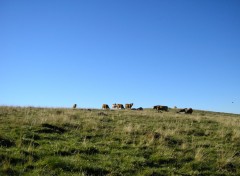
x=47 y=141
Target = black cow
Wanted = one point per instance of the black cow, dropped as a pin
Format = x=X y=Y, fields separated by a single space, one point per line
x=186 y=110
x=189 y=111
x=74 y=106
x=160 y=108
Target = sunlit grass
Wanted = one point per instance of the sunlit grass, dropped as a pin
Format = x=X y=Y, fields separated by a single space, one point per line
x=48 y=141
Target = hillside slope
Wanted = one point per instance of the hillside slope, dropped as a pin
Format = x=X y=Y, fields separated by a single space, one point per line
x=47 y=141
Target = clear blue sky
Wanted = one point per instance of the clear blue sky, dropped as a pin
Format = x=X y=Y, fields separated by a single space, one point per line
x=183 y=53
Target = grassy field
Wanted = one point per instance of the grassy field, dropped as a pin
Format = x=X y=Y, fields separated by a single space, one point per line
x=48 y=141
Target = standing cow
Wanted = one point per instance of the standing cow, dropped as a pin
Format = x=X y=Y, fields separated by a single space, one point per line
x=128 y=106
x=114 y=106
x=105 y=106
x=120 y=106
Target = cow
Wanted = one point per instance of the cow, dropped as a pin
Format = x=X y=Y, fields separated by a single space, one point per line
x=114 y=106
x=137 y=109
x=105 y=106
x=182 y=110
x=186 y=110
x=189 y=111
x=160 y=108
x=74 y=106
x=128 y=106
x=155 y=107
x=120 y=106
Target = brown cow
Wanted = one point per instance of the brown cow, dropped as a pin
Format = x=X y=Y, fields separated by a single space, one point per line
x=128 y=106
x=105 y=106
x=120 y=106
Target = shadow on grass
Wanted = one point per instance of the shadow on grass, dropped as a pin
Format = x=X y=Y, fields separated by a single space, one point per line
x=88 y=151
x=12 y=160
x=6 y=142
x=8 y=171
x=173 y=141
x=28 y=142
x=94 y=171
x=68 y=166
x=47 y=128
x=33 y=156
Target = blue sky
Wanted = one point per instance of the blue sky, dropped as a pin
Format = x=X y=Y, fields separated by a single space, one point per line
x=180 y=53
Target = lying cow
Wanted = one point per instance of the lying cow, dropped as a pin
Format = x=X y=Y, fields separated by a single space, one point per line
x=189 y=111
x=160 y=108
x=186 y=110
x=137 y=109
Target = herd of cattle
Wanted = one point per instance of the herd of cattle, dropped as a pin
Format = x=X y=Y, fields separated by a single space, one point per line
x=159 y=108
x=120 y=106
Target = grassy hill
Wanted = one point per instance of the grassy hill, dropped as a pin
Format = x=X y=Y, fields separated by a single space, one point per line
x=47 y=141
